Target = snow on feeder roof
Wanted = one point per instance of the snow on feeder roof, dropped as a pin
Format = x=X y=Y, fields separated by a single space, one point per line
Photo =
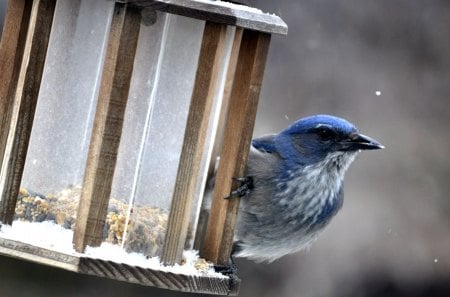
x=114 y=114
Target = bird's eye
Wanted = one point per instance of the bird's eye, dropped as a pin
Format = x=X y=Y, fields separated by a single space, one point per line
x=326 y=133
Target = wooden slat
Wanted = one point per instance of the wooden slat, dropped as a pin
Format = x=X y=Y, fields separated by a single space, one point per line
x=219 y=12
x=237 y=138
x=156 y=278
x=24 y=251
x=203 y=216
x=11 y=51
x=118 y=271
x=26 y=95
x=107 y=128
x=231 y=71
x=211 y=53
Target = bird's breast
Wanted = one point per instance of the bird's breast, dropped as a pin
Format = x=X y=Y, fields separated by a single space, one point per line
x=309 y=199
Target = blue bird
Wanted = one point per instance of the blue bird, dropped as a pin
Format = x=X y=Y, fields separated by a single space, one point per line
x=294 y=185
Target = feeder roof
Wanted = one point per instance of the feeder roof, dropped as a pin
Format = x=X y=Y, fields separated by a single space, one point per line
x=219 y=12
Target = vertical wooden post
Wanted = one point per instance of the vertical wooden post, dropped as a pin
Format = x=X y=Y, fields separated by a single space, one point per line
x=11 y=51
x=238 y=134
x=107 y=130
x=218 y=142
x=203 y=216
x=26 y=95
x=211 y=53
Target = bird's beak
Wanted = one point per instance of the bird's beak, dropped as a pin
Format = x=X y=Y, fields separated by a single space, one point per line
x=358 y=141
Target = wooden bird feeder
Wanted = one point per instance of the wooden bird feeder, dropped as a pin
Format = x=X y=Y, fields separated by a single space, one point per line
x=112 y=115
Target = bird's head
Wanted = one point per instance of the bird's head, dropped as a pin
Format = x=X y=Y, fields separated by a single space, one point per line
x=316 y=138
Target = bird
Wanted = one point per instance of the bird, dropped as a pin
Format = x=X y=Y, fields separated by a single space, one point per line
x=294 y=185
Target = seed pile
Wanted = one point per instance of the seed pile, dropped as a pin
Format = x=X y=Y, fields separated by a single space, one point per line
x=144 y=230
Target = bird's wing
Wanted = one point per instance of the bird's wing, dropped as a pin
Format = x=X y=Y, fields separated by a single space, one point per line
x=265 y=144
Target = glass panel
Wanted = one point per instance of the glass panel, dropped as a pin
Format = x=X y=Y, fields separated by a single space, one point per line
x=155 y=122
x=63 y=122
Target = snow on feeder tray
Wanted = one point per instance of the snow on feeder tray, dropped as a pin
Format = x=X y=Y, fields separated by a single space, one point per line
x=113 y=115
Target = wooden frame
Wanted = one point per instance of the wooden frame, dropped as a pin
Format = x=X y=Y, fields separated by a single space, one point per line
x=25 y=100
x=24 y=43
x=194 y=141
x=118 y=271
x=224 y=13
x=240 y=117
x=107 y=129
x=11 y=50
x=218 y=141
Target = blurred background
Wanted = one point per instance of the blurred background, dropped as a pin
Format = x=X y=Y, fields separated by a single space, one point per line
x=385 y=66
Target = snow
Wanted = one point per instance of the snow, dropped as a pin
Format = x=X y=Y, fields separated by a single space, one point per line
x=56 y=237
x=231 y=5
x=51 y=236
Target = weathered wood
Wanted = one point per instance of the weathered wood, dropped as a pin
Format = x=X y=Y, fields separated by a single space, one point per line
x=107 y=128
x=24 y=251
x=219 y=12
x=11 y=51
x=211 y=53
x=156 y=278
x=218 y=141
x=118 y=271
x=238 y=134
x=26 y=95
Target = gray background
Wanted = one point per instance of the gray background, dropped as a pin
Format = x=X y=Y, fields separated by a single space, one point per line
x=392 y=237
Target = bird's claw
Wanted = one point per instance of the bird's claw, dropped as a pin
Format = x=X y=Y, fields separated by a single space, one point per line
x=245 y=187
x=230 y=271
x=227 y=270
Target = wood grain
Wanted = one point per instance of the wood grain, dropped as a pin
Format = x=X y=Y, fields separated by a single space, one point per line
x=24 y=251
x=214 y=12
x=118 y=271
x=211 y=53
x=12 y=46
x=107 y=128
x=238 y=134
x=25 y=100
x=156 y=278
x=218 y=141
